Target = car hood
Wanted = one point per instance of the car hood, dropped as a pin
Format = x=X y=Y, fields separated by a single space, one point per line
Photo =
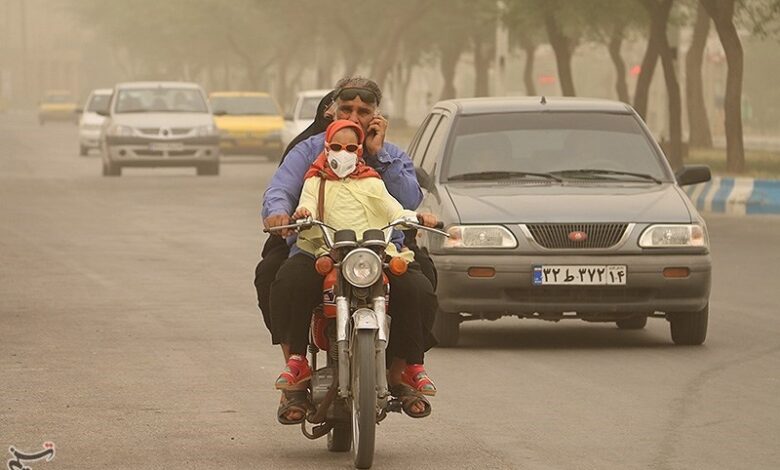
x=163 y=119
x=249 y=123
x=589 y=202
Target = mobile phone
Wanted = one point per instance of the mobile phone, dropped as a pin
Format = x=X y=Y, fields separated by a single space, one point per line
x=377 y=112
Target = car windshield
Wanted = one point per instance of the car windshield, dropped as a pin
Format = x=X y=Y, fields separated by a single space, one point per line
x=309 y=107
x=160 y=100
x=58 y=98
x=570 y=145
x=244 y=105
x=98 y=103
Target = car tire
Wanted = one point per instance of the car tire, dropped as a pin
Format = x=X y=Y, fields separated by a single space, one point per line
x=632 y=323
x=446 y=328
x=83 y=151
x=689 y=328
x=208 y=169
x=111 y=169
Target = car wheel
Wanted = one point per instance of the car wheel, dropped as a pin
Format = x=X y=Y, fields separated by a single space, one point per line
x=446 y=328
x=689 y=328
x=83 y=151
x=632 y=323
x=208 y=169
x=111 y=169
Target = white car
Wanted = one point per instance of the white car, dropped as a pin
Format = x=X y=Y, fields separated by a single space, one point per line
x=91 y=122
x=301 y=114
x=159 y=124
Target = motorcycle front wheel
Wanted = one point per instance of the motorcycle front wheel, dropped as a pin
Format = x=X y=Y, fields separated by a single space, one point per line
x=364 y=398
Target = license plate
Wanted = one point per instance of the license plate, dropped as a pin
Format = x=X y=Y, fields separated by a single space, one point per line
x=166 y=146
x=583 y=275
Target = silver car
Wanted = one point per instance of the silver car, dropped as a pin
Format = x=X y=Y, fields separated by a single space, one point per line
x=159 y=124
x=560 y=208
x=91 y=121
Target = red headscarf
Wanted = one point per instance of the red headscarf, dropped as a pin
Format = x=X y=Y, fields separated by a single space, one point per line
x=320 y=166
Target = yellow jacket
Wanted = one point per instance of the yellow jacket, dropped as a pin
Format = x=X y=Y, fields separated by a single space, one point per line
x=350 y=203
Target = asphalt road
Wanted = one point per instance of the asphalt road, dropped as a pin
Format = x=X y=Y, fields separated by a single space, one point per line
x=129 y=337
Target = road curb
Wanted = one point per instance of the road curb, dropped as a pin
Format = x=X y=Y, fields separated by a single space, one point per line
x=737 y=196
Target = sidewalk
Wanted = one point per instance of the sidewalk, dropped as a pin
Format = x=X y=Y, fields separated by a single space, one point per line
x=737 y=196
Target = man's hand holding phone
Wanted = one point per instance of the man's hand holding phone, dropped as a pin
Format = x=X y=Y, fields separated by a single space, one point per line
x=375 y=136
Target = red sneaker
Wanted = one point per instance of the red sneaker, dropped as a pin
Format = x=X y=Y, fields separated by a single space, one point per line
x=296 y=371
x=415 y=376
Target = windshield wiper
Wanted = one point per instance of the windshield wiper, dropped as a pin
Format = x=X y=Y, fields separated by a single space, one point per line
x=597 y=172
x=496 y=175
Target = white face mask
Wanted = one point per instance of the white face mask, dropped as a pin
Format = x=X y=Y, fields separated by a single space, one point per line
x=342 y=162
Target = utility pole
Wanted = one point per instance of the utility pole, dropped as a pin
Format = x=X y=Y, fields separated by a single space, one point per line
x=23 y=36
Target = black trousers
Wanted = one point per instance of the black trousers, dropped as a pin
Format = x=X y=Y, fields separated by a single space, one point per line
x=297 y=290
x=276 y=252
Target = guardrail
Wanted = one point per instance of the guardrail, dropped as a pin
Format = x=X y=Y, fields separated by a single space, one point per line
x=738 y=196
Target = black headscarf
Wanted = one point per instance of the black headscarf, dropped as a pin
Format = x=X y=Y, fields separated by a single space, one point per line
x=318 y=126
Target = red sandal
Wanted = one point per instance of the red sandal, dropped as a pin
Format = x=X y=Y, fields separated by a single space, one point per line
x=415 y=376
x=296 y=372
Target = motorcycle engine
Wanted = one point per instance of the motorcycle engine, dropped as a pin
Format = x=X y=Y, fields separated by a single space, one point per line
x=321 y=381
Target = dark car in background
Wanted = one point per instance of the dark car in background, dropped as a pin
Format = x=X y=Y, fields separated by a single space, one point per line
x=560 y=208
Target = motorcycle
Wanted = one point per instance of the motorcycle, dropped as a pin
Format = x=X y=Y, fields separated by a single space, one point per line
x=350 y=392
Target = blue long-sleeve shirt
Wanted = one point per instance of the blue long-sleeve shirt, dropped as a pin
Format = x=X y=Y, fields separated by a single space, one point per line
x=392 y=164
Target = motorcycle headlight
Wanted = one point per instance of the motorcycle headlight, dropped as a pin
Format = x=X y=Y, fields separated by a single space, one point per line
x=208 y=130
x=361 y=267
x=479 y=236
x=674 y=236
x=119 y=130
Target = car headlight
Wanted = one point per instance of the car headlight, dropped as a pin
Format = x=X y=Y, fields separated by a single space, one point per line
x=479 y=236
x=119 y=130
x=208 y=130
x=671 y=236
x=361 y=267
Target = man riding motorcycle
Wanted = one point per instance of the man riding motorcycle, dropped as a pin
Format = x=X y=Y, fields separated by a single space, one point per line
x=357 y=100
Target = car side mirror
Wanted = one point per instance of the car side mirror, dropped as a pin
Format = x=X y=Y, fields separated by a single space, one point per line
x=693 y=174
x=102 y=112
x=288 y=117
x=220 y=112
x=424 y=179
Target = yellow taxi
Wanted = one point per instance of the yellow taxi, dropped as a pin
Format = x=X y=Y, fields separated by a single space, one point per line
x=248 y=123
x=58 y=105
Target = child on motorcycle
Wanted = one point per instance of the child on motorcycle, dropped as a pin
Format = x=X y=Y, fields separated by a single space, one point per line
x=355 y=198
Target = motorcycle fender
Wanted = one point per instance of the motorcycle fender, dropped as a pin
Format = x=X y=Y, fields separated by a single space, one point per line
x=365 y=319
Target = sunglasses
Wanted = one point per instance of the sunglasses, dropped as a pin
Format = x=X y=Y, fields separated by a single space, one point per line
x=349 y=147
x=365 y=94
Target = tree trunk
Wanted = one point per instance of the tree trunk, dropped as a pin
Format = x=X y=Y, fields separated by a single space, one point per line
x=481 y=65
x=649 y=61
x=615 y=43
x=699 y=134
x=722 y=14
x=564 y=49
x=659 y=17
x=450 y=56
x=529 y=47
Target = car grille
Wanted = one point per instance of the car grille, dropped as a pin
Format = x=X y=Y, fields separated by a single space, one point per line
x=149 y=130
x=556 y=236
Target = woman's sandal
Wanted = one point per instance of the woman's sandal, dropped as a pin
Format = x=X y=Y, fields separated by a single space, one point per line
x=414 y=375
x=409 y=397
x=293 y=400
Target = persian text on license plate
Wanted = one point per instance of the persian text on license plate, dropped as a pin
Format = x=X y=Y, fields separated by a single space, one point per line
x=584 y=275
x=166 y=146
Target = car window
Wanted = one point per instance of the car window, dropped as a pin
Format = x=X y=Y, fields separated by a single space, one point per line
x=160 y=100
x=430 y=155
x=309 y=107
x=425 y=138
x=552 y=141
x=416 y=138
x=98 y=103
x=244 y=105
